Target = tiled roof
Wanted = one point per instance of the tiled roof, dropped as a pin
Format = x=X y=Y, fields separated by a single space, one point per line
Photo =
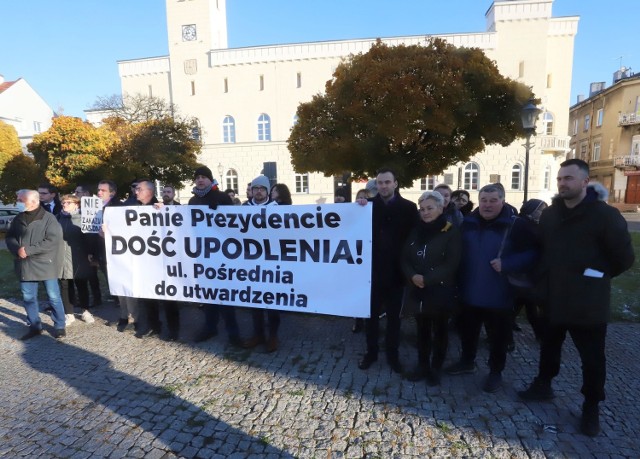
x=6 y=85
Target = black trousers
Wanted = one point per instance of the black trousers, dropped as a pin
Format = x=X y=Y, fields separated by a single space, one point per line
x=497 y=322
x=389 y=300
x=68 y=294
x=433 y=339
x=273 y=318
x=590 y=342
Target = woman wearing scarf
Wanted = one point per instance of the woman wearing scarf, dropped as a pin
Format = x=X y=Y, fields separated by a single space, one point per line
x=430 y=262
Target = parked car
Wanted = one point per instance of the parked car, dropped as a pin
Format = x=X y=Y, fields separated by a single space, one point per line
x=6 y=215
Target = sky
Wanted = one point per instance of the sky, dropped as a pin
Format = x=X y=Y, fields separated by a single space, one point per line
x=67 y=50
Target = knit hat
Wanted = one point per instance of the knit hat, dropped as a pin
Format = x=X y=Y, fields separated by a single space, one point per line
x=261 y=181
x=204 y=171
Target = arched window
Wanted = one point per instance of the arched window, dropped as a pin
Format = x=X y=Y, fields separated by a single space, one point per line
x=231 y=180
x=471 y=176
x=516 y=176
x=229 y=129
x=264 y=128
x=547 y=123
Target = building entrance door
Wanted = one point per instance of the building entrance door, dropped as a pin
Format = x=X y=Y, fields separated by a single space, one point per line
x=633 y=190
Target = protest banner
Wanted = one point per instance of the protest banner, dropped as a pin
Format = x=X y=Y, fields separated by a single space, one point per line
x=308 y=258
x=91 y=214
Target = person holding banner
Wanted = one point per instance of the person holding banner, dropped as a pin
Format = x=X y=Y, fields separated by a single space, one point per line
x=75 y=268
x=260 y=192
x=107 y=190
x=430 y=262
x=393 y=219
x=82 y=191
x=206 y=194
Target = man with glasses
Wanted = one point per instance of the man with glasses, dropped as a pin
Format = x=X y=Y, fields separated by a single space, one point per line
x=49 y=198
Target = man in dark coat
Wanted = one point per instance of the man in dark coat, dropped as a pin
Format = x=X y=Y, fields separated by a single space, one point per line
x=35 y=240
x=585 y=243
x=49 y=199
x=393 y=219
x=494 y=243
x=206 y=193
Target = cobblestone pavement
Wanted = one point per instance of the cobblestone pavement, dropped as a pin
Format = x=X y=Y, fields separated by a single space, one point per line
x=100 y=393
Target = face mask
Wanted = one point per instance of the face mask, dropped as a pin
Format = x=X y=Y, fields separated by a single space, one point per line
x=21 y=206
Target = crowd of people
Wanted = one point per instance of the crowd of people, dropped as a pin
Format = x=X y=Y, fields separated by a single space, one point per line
x=450 y=266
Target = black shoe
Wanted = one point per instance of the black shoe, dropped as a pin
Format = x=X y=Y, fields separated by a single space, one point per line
x=33 y=332
x=122 y=325
x=367 y=361
x=394 y=364
x=171 y=336
x=418 y=374
x=461 y=368
x=590 y=420
x=434 y=378
x=206 y=335
x=235 y=341
x=59 y=333
x=493 y=383
x=538 y=391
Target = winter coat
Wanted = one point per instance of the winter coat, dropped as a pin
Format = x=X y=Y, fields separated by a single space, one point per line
x=42 y=240
x=76 y=261
x=592 y=235
x=453 y=215
x=434 y=254
x=392 y=223
x=483 y=241
x=212 y=199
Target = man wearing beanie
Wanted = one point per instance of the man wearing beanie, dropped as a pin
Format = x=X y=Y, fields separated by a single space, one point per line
x=260 y=191
x=206 y=193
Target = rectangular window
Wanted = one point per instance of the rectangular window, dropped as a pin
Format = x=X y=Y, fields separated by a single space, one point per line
x=193 y=88
x=583 y=151
x=226 y=85
x=448 y=179
x=549 y=80
x=37 y=127
x=298 y=80
x=261 y=82
x=150 y=90
x=596 y=151
x=302 y=183
x=515 y=177
x=587 y=122
x=575 y=126
x=547 y=177
x=521 y=69
x=599 y=117
x=270 y=169
x=428 y=184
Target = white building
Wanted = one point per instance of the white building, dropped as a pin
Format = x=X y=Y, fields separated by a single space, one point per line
x=246 y=98
x=24 y=109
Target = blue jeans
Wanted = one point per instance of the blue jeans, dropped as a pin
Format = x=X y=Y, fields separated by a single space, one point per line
x=30 y=297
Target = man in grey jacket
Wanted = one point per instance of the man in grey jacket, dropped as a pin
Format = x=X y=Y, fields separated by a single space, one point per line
x=35 y=240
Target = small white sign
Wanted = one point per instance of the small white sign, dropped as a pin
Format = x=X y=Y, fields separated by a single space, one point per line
x=91 y=212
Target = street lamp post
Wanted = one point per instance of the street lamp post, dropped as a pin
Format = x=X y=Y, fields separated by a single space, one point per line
x=220 y=172
x=529 y=116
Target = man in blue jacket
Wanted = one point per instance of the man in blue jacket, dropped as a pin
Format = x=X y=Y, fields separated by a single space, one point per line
x=494 y=243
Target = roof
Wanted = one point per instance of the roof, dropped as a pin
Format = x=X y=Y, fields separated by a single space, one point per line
x=6 y=85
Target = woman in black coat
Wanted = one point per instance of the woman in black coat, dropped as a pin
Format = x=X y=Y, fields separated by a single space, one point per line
x=430 y=262
x=76 y=268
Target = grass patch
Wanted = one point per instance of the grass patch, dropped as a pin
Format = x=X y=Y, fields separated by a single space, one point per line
x=625 y=289
x=9 y=285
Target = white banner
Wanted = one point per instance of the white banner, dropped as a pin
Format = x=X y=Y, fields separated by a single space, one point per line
x=91 y=213
x=303 y=258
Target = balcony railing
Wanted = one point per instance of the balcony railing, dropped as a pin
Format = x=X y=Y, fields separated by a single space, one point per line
x=624 y=161
x=628 y=119
x=554 y=143
x=601 y=163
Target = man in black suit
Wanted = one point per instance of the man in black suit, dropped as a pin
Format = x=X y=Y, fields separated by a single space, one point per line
x=49 y=200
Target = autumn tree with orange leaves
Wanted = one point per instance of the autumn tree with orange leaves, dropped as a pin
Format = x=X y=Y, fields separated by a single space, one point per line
x=17 y=171
x=417 y=109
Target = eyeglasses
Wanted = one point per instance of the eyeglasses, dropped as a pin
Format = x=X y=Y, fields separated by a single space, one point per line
x=67 y=202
